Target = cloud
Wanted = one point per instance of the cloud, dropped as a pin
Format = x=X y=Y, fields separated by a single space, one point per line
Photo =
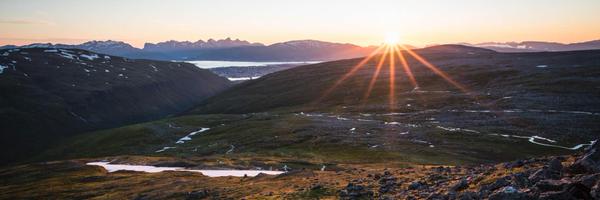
x=24 y=22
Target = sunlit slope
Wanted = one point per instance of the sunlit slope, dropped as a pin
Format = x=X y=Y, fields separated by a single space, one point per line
x=489 y=107
x=557 y=80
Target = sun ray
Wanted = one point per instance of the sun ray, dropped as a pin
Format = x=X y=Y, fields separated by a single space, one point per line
x=376 y=74
x=435 y=69
x=392 y=97
x=407 y=69
x=350 y=73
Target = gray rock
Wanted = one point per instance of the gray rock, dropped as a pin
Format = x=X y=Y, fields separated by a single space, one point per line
x=509 y=193
x=589 y=162
x=387 y=183
x=543 y=174
x=499 y=183
x=460 y=185
x=417 y=185
x=353 y=191
x=551 y=185
x=521 y=180
x=555 y=165
x=590 y=180
x=469 y=196
x=201 y=194
x=595 y=192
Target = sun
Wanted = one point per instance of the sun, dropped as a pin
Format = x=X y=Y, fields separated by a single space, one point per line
x=391 y=38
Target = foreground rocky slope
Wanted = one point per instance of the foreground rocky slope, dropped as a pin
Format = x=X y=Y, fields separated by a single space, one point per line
x=562 y=177
x=48 y=94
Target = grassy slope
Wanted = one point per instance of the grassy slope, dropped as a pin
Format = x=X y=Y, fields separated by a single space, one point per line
x=281 y=133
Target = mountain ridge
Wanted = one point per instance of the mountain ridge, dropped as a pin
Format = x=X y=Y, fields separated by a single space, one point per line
x=50 y=93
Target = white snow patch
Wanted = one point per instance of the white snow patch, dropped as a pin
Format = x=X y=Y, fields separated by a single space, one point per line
x=452 y=129
x=231 y=148
x=210 y=173
x=243 y=78
x=90 y=57
x=66 y=54
x=541 y=66
x=534 y=139
x=2 y=67
x=154 y=67
x=188 y=137
x=164 y=149
x=51 y=51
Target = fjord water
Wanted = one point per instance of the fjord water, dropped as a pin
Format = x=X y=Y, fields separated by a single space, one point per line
x=208 y=64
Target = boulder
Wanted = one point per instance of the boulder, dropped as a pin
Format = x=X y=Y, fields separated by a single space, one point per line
x=460 y=185
x=590 y=180
x=469 y=196
x=499 y=183
x=595 y=192
x=353 y=191
x=542 y=174
x=589 y=162
x=417 y=185
x=509 y=193
x=200 y=194
x=387 y=183
x=551 y=185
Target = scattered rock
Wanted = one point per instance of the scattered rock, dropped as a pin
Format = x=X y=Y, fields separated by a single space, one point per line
x=595 y=192
x=542 y=174
x=555 y=165
x=387 y=183
x=201 y=194
x=460 y=185
x=509 y=193
x=590 y=180
x=521 y=180
x=515 y=164
x=579 y=191
x=590 y=161
x=501 y=182
x=469 y=196
x=551 y=185
x=417 y=185
x=353 y=191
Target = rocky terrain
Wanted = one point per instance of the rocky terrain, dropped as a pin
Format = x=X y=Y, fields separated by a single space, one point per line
x=49 y=94
x=558 y=177
x=563 y=177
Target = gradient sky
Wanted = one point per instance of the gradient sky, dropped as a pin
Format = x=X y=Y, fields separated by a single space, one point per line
x=268 y=21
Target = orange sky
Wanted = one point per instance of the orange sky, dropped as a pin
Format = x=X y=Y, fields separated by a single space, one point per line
x=268 y=21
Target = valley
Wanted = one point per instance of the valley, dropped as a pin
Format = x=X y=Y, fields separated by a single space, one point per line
x=323 y=136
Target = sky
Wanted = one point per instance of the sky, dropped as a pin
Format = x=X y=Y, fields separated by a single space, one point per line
x=416 y=22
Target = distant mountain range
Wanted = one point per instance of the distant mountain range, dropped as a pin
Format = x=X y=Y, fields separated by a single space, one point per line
x=537 y=46
x=224 y=49
x=295 y=50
